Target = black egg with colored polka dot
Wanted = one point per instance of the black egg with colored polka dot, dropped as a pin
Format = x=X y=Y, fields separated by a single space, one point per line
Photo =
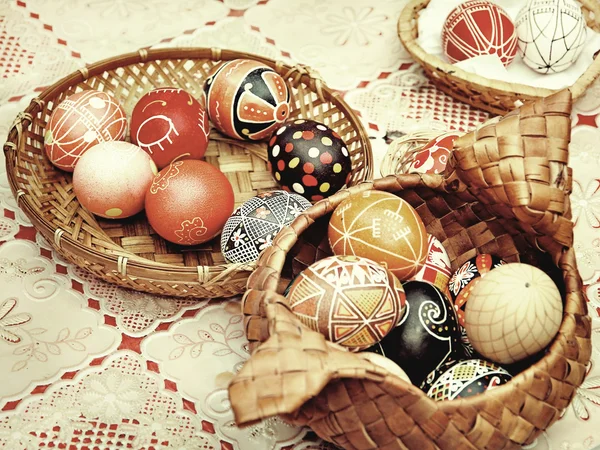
x=310 y=159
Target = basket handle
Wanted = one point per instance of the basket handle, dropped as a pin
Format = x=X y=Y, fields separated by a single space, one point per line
x=293 y=366
x=516 y=165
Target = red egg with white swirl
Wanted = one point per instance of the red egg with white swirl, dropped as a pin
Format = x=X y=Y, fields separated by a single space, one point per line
x=433 y=157
x=246 y=99
x=78 y=123
x=168 y=123
x=189 y=202
x=476 y=28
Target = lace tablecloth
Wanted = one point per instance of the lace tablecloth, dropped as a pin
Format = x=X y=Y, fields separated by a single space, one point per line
x=84 y=364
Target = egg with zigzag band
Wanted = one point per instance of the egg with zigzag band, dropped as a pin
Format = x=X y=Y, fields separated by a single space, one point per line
x=427 y=337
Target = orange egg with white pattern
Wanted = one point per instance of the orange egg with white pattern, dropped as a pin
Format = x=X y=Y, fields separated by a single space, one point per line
x=111 y=179
x=189 y=201
x=382 y=227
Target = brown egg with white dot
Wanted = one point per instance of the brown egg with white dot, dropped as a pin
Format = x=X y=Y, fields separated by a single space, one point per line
x=310 y=159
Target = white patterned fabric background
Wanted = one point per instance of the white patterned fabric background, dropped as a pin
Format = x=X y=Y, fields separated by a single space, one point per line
x=85 y=364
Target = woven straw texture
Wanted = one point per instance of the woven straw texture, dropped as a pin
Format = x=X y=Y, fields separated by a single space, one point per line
x=127 y=252
x=497 y=97
x=505 y=192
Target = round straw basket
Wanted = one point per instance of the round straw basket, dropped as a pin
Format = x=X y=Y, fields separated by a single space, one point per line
x=127 y=252
x=505 y=192
x=497 y=97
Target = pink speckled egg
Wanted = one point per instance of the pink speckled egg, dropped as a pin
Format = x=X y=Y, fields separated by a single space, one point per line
x=111 y=179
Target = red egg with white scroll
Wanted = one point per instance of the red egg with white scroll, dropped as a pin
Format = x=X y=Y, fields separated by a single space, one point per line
x=189 y=202
x=433 y=157
x=168 y=123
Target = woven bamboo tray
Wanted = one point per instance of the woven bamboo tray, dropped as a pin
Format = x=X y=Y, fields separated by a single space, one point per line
x=506 y=192
x=497 y=97
x=127 y=252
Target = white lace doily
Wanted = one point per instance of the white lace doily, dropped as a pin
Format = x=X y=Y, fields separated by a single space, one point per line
x=86 y=364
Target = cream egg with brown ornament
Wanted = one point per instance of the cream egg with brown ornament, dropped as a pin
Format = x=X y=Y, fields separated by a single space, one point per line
x=386 y=363
x=552 y=34
x=111 y=179
x=352 y=301
x=382 y=227
x=513 y=312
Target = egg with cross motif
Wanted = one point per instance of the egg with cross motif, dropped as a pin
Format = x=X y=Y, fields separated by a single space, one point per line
x=246 y=99
x=309 y=158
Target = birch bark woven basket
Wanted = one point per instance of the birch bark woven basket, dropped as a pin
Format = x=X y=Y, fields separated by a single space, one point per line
x=128 y=252
x=497 y=97
x=505 y=192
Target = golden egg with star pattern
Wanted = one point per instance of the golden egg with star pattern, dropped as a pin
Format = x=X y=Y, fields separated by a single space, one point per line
x=309 y=158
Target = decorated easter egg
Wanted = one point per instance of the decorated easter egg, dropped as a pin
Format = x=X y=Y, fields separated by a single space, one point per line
x=465 y=278
x=428 y=335
x=461 y=285
x=78 y=123
x=189 y=201
x=309 y=158
x=386 y=363
x=513 y=312
x=246 y=99
x=552 y=34
x=433 y=157
x=467 y=378
x=382 y=227
x=253 y=226
x=479 y=27
x=350 y=300
x=168 y=123
x=111 y=179
x=436 y=269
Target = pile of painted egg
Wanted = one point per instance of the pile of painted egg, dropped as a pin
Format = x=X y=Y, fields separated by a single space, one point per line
x=549 y=35
x=186 y=200
x=389 y=292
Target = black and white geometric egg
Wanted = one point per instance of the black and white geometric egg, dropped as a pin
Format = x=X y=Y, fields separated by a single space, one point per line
x=467 y=378
x=309 y=158
x=253 y=226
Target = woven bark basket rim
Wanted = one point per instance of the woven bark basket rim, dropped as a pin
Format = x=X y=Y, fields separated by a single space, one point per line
x=118 y=261
x=286 y=352
x=506 y=96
